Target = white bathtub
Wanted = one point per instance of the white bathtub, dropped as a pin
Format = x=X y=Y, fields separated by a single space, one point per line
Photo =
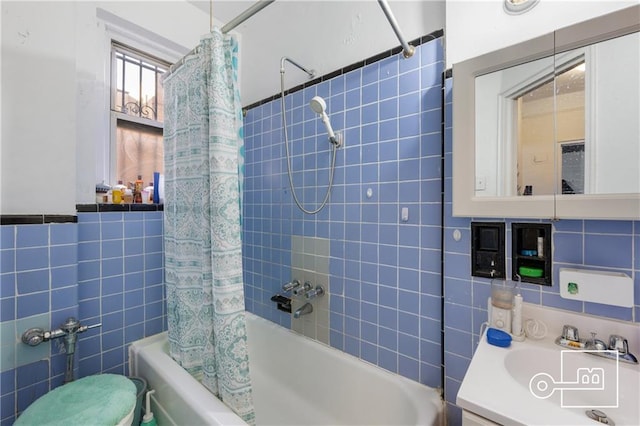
x=296 y=381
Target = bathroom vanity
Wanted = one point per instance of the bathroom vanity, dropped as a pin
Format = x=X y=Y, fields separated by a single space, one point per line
x=540 y=382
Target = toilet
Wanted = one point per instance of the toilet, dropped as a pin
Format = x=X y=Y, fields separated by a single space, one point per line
x=102 y=399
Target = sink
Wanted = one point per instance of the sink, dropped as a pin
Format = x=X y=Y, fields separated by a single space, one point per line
x=536 y=382
x=572 y=379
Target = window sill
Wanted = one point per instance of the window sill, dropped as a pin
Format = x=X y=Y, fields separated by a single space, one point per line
x=90 y=208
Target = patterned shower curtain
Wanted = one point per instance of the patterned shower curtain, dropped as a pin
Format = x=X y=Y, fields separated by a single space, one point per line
x=203 y=151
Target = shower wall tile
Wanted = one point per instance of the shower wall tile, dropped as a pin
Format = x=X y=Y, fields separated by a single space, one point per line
x=378 y=274
x=588 y=244
x=53 y=271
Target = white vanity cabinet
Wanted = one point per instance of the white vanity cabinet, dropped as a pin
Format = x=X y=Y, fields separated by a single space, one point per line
x=471 y=419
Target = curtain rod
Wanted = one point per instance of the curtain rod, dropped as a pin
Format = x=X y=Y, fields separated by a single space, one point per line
x=407 y=49
x=251 y=10
x=248 y=13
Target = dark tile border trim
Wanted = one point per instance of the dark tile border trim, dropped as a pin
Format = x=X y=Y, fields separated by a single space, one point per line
x=417 y=42
x=448 y=73
x=40 y=219
x=86 y=208
x=36 y=219
x=443 y=124
x=95 y=208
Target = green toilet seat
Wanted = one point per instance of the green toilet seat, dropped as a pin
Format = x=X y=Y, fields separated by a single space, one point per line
x=100 y=400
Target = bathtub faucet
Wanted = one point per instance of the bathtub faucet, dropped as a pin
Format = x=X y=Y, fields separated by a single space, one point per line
x=305 y=309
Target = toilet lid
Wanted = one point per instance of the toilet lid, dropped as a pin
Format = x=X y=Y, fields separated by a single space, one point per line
x=103 y=399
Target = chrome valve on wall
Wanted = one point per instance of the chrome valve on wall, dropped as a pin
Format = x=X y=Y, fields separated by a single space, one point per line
x=69 y=330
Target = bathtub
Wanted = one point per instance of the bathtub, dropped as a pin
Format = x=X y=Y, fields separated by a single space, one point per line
x=296 y=381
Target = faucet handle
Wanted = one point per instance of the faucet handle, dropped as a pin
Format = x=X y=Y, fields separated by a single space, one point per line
x=300 y=290
x=316 y=292
x=84 y=328
x=570 y=333
x=618 y=343
x=293 y=284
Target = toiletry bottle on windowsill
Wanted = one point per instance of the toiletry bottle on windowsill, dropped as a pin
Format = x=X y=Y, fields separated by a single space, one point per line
x=147 y=194
x=118 y=192
x=137 y=190
x=128 y=196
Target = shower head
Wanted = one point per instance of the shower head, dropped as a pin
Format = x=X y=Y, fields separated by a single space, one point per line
x=319 y=106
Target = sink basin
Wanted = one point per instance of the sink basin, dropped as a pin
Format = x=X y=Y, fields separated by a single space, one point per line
x=536 y=382
x=577 y=381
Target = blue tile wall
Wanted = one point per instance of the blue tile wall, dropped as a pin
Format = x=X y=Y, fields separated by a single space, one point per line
x=38 y=277
x=120 y=285
x=590 y=244
x=384 y=307
x=107 y=268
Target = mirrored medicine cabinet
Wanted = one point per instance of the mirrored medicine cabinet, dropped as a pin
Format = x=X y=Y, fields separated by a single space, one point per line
x=550 y=128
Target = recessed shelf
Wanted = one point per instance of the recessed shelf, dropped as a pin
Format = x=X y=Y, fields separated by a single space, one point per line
x=534 y=239
x=487 y=250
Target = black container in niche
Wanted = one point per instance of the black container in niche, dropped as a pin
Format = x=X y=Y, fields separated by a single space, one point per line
x=488 y=250
x=531 y=252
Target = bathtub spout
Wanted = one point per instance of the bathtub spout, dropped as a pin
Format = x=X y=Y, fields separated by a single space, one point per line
x=305 y=309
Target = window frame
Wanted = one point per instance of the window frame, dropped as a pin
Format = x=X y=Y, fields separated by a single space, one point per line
x=115 y=115
x=146 y=43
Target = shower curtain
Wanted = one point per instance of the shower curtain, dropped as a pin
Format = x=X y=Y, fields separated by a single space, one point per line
x=203 y=260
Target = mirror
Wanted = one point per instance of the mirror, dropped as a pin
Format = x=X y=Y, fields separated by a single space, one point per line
x=555 y=127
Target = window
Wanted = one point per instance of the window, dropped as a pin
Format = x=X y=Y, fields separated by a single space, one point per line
x=136 y=114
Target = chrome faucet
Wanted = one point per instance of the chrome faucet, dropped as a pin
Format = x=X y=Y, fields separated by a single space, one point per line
x=617 y=349
x=595 y=344
x=305 y=309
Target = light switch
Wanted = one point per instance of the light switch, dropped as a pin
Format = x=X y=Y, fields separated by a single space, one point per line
x=404 y=215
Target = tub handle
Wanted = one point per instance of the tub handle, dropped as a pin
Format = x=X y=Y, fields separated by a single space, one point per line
x=313 y=293
x=302 y=290
x=293 y=284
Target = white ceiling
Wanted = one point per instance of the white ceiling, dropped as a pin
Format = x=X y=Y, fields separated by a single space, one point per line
x=322 y=35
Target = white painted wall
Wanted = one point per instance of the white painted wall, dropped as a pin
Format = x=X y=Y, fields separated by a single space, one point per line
x=55 y=93
x=38 y=154
x=53 y=77
x=55 y=128
x=476 y=27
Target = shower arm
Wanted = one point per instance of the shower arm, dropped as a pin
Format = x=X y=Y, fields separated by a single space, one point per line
x=311 y=73
x=408 y=50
